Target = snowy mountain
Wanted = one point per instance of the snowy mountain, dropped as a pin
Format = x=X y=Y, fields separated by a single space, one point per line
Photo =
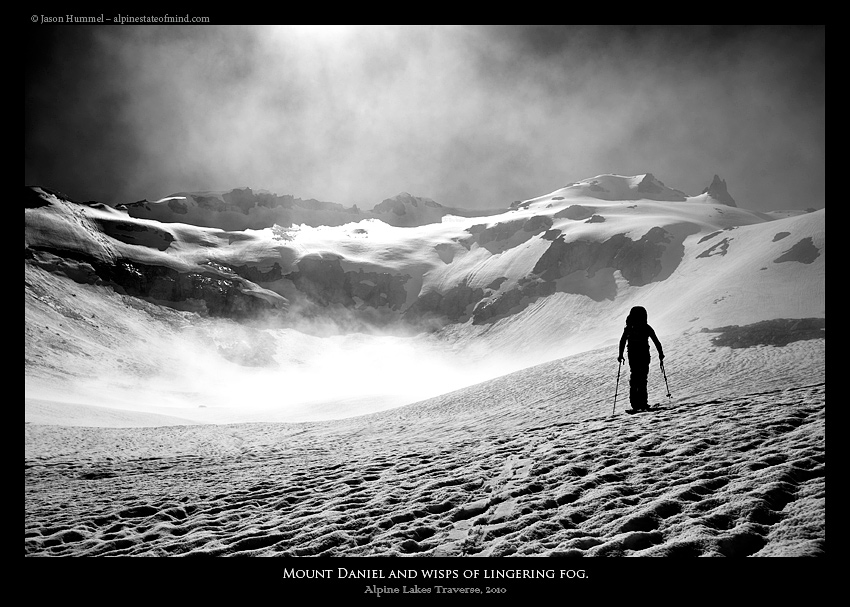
x=307 y=281
x=241 y=209
x=148 y=341
x=617 y=187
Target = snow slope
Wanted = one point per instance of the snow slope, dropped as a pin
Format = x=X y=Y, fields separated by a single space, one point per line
x=537 y=463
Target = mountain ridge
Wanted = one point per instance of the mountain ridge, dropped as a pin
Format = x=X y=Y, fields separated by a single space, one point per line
x=324 y=265
x=547 y=278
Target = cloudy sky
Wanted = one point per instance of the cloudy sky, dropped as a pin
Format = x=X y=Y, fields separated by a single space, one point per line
x=471 y=116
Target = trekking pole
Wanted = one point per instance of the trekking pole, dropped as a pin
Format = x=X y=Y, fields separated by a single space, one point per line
x=617 y=389
x=665 y=379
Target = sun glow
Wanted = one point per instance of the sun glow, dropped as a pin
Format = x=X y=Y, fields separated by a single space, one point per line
x=325 y=35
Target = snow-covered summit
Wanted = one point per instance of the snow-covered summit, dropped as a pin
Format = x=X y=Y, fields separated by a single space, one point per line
x=405 y=199
x=247 y=209
x=619 y=187
x=404 y=209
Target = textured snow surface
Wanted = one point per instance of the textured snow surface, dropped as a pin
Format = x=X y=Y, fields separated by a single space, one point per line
x=533 y=463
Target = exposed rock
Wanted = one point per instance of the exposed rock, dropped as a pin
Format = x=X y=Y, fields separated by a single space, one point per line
x=401 y=202
x=718 y=249
x=803 y=251
x=322 y=279
x=243 y=200
x=206 y=292
x=709 y=236
x=212 y=292
x=496 y=235
x=146 y=235
x=497 y=283
x=649 y=185
x=655 y=189
x=778 y=332
x=512 y=301
x=717 y=190
x=78 y=271
x=508 y=234
x=538 y=223
x=324 y=282
x=404 y=210
x=207 y=203
x=455 y=304
x=576 y=212
x=255 y=274
x=638 y=261
x=446 y=252
x=177 y=207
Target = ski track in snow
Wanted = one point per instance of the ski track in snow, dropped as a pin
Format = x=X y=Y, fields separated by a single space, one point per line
x=532 y=464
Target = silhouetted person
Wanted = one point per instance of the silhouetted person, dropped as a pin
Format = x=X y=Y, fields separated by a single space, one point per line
x=637 y=334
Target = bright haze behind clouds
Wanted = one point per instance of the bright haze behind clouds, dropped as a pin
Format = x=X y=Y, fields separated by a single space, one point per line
x=471 y=116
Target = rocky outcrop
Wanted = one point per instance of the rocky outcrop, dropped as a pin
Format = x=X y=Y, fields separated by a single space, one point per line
x=514 y=300
x=404 y=210
x=717 y=190
x=639 y=262
x=256 y=275
x=504 y=235
x=400 y=203
x=322 y=280
x=654 y=189
x=778 y=332
x=211 y=292
x=575 y=212
x=804 y=251
x=454 y=305
x=85 y=242
x=719 y=248
x=129 y=232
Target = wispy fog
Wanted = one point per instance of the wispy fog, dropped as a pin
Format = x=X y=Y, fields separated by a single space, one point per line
x=223 y=372
x=470 y=116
